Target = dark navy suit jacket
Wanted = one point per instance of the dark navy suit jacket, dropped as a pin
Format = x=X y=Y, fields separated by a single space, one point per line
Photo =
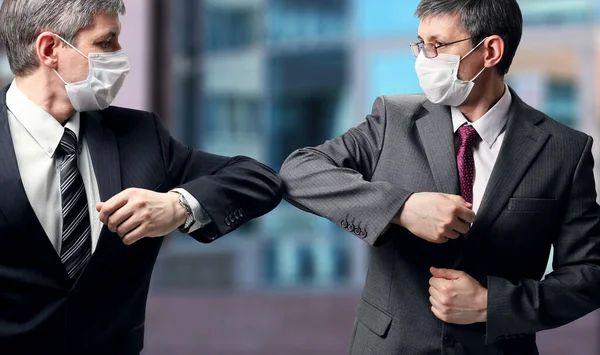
x=102 y=313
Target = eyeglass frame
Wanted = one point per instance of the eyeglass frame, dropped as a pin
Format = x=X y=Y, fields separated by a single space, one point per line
x=421 y=47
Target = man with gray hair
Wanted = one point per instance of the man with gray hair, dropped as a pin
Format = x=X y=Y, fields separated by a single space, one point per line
x=88 y=190
x=460 y=193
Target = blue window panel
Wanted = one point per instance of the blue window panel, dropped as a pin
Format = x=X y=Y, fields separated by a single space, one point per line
x=561 y=101
x=550 y=12
x=386 y=17
x=390 y=73
x=291 y=22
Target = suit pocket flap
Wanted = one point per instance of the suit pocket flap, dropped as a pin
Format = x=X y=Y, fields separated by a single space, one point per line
x=533 y=205
x=373 y=318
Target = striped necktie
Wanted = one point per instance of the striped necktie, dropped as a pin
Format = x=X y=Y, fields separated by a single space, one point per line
x=76 y=249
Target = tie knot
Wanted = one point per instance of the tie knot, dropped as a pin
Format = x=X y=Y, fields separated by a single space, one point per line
x=467 y=135
x=68 y=142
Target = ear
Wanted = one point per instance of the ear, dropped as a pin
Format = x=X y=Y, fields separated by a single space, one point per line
x=46 y=46
x=494 y=50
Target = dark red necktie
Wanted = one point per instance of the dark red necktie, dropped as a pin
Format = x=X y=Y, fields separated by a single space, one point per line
x=464 y=159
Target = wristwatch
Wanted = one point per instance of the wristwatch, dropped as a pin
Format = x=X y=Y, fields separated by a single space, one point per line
x=189 y=219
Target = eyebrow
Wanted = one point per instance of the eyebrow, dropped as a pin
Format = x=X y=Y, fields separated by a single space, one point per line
x=109 y=35
x=433 y=39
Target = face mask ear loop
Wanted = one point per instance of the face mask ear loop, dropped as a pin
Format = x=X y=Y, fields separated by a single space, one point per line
x=466 y=55
x=70 y=45
x=474 y=48
x=477 y=76
x=61 y=78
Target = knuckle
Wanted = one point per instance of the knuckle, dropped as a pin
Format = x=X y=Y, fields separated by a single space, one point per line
x=453 y=209
x=445 y=301
x=139 y=203
x=439 y=232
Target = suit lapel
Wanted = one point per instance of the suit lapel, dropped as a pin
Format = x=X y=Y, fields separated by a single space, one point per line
x=522 y=143
x=105 y=154
x=107 y=168
x=14 y=204
x=437 y=136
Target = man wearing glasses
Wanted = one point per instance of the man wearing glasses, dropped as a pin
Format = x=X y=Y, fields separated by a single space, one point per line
x=460 y=192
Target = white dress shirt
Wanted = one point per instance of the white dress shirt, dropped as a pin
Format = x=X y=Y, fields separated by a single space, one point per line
x=491 y=128
x=36 y=136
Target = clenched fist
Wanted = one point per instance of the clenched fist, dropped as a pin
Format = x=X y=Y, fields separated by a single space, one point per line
x=436 y=217
x=136 y=213
x=456 y=297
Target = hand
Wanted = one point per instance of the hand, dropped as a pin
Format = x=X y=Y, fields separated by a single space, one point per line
x=456 y=297
x=436 y=217
x=136 y=213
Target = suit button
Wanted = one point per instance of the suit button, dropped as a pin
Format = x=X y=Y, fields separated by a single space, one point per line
x=227 y=221
x=241 y=213
x=344 y=224
x=357 y=231
x=351 y=227
x=363 y=234
x=449 y=341
x=236 y=214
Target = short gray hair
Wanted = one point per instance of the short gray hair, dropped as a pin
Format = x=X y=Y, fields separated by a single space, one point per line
x=22 y=21
x=483 y=18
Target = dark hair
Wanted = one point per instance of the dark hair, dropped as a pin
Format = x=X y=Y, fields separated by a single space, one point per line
x=482 y=18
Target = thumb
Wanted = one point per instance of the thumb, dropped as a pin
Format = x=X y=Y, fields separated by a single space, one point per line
x=447 y=274
x=459 y=200
x=99 y=206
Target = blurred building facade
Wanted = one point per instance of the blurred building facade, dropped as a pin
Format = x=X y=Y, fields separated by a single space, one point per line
x=264 y=77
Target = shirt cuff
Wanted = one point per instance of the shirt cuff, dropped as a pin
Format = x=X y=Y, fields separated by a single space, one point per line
x=201 y=218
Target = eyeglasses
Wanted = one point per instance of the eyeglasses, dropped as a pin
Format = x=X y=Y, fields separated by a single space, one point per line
x=430 y=50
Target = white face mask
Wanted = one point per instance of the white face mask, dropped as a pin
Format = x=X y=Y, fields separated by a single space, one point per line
x=439 y=78
x=106 y=76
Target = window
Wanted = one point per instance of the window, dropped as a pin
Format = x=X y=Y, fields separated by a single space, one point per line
x=561 y=101
x=231 y=117
x=231 y=28
x=293 y=21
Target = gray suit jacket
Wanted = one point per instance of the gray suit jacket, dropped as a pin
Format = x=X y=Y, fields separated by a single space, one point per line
x=541 y=193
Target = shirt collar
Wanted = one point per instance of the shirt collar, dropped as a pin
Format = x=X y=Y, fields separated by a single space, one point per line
x=42 y=127
x=490 y=125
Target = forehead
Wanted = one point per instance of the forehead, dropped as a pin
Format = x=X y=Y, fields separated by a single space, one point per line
x=104 y=24
x=441 y=27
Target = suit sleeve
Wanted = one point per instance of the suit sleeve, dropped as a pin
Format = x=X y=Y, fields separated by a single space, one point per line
x=232 y=191
x=573 y=289
x=333 y=180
